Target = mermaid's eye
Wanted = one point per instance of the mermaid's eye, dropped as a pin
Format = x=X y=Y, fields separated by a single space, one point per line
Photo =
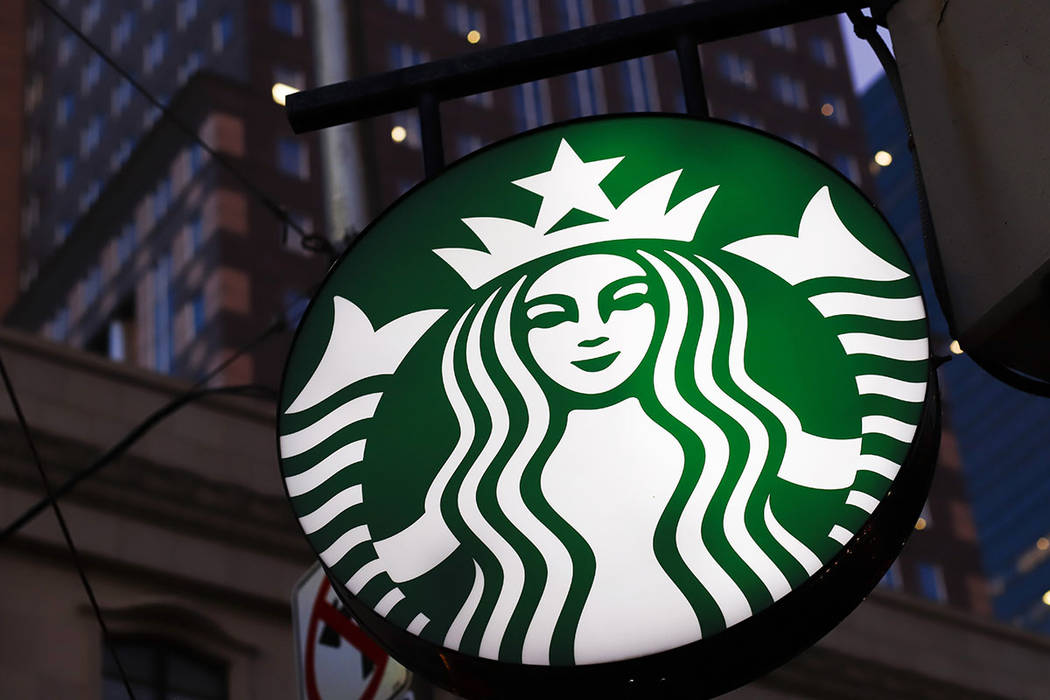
x=623 y=295
x=548 y=311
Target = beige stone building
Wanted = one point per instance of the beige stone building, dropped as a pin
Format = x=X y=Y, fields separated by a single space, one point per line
x=192 y=551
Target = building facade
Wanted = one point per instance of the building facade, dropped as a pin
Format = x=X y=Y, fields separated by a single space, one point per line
x=999 y=429
x=135 y=244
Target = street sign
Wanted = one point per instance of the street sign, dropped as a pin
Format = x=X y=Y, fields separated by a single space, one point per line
x=335 y=658
x=635 y=402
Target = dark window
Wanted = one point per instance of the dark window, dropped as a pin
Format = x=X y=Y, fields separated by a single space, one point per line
x=160 y=671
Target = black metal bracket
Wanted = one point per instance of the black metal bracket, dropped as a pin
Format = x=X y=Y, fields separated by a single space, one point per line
x=425 y=86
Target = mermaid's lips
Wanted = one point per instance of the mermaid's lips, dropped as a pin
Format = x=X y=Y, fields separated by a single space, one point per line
x=596 y=364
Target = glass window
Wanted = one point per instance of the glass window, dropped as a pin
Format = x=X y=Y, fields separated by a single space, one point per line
x=531 y=100
x=63 y=171
x=163 y=347
x=467 y=143
x=892 y=578
x=121 y=154
x=931 y=582
x=197 y=313
x=162 y=199
x=90 y=194
x=462 y=17
x=790 y=91
x=92 y=284
x=847 y=165
x=90 y=73
x=64 y=109
x=222 y=32
x=834 y=108
x=294 y=307
x=62 y=230
x=822 y=51
x=66 y=46
x=195 y=233
x=191 y=65
x=121 y=33
x=286 y=17
x=59 y=326
x=404 y=55
x=90 y=135
x=160 y=671
x=196 y=158
x=154 y=51
x=185 y=12
x=784 y=37
x=737 y=69
x=126 y=243
x=90 y=14
x=293 y=158
x=747 y=120
x=408 y=7
x=121 y=98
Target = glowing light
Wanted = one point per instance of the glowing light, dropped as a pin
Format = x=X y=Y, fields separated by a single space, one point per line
x=281 y=91
x=883 y=158
x=955 y=348
x=473 y=36
x=1046 y=598
x=827 y=109
x=398 y=134
x=1042 y=544
x=920 y=524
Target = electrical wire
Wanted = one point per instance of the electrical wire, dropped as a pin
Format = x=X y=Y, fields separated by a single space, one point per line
x=310 y=241
x=74 y=554
x=866 y=28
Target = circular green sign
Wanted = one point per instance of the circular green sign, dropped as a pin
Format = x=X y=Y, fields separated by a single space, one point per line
x=603 y=391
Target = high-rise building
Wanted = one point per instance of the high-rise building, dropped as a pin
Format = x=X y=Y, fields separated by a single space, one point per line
x=19 y=96
x=999 y=430
x=136 y=244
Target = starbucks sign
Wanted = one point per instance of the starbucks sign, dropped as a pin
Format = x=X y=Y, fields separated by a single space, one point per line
x=637 y=401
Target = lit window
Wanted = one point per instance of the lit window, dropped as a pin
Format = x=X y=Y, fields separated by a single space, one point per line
x=404 y=55
x=162 y=199
x=892 y=578
x=782 y=37
x=159 y=670
x=122 y=31
x=286 y=17
x=121 y=98
x=467 y=143
x=59 y=326
x=63 y=171
x=196 y=158
x=90 y=14
x=408 y=7
x=931 y=582
x=790 y=91
x=90 y=135
x=90 y=194
x=638 y=79
x=737 y=70
x=126 y=243
x=293 y=158
x=462 y=18
x=822 y=51
x=222 y=32
x=191 y=65
x=153 y=52
x=92 y=284
x=66 y=46
x=90 y=74
x=163 y=345
x=195 y=234
x=64 y=109
x=185 y=12
x=531 y=100
x=847 y=165
x=197 y=313
x=121 y=154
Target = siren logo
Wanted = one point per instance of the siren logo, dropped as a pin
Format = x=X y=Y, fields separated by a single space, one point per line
x=592 y=395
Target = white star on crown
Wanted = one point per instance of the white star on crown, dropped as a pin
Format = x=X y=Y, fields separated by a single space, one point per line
x=573 y=184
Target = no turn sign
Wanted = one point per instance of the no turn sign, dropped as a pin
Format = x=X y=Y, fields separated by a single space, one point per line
x=336 y=659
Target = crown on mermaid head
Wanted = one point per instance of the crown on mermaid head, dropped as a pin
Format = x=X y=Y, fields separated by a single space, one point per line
x=574 y=184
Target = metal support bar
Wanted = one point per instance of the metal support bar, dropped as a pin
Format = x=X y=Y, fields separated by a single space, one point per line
x=543 y=57
x=430 y=131
x=692 y=76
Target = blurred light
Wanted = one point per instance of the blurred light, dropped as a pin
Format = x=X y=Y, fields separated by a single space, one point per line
x=473 y=36
x=920 y=524
x=955 y=348
x=1042 y=544
x=280 y=91
x=1046 y=598
x=398 y=134
x=883 y=158
x=827 y=109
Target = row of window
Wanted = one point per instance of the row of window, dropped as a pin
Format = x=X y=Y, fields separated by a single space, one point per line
x=821 y=49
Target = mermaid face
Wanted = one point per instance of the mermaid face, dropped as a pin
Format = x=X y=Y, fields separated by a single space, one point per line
x=590 y=322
